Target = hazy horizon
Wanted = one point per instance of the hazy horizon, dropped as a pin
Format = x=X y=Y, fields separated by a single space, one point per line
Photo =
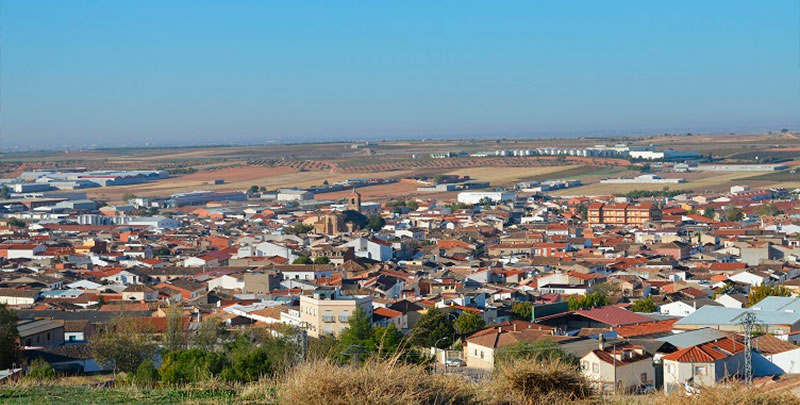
x=78 y=74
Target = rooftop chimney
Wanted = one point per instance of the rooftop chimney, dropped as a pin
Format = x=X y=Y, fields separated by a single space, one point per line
x=601 y=341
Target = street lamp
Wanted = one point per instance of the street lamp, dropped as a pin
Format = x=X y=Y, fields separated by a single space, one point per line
x=445 y=351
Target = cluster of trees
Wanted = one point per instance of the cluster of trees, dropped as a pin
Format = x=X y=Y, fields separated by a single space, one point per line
x=733 y=213
x=769 y=210
x=522 y=311
x=298 y=228
x=760 y=292
x=583 y=211
x=644 y=305
x=308 y=260
x=16 y=223
x=248 y=357
x=397 y=205
x=362 y=339
x=591 y=300
x=375 y=223
x=126 y=344
x=459 y=206
x=256 y=189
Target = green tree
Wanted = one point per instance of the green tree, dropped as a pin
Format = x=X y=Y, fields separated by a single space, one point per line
x=733 y=214
x=40 y=370
x=322 y=260
x=5 y=193
x=386 y=340
x=210 y=332
x=438 y=178
x=162 y=251
x=127 y=197
x=361 y=339
x=644 y=305
x=434 y=329
x=358 y=332
x=146 y=375
x=375 y=223
x=768 y=210
x=607 y=289
x=9 y=337
x=645 y=168
x=16 y=223
x=303 y=260
x=123 y=344
x=413 y=205
x=298 y=229
x=591 y=300
x=760 y=292
x=190 y=365
x=542 y=349
x=175 y=335
x=250 y=360
x=522 y=311
x=583 y=211
x=709 y=212
x=469 y=322
x=253 y=190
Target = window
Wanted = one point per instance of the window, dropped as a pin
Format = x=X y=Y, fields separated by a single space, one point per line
x=595 y=368
x=643 y=377
x=72 y=338
x=585 y=365
x=700 y=370
x=481 y=353
x=668 y=368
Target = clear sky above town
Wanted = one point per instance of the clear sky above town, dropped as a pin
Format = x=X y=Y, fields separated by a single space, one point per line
x=193 y=72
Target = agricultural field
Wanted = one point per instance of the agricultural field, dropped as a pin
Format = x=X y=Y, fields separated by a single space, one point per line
x=303 y=165
x=697 y=181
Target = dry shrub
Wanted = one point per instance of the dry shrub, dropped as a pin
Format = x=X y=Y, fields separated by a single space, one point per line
x=725 y=394
x=531 y=381
x=375 y=382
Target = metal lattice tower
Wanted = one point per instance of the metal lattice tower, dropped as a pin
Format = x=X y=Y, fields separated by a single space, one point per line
x=748 y=323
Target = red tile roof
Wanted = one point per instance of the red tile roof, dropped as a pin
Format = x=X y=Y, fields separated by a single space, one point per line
x=646 y=329
x=707 y=352
x=613 y=315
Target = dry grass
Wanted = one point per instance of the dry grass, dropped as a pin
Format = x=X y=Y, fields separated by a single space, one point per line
x=724 y=394
x=378 y=383
x=528 y=382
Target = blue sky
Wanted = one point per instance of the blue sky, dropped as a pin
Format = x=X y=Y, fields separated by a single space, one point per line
x=194 y=72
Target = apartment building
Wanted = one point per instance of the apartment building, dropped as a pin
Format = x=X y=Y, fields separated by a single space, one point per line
x=622 y=214
x=326 y=312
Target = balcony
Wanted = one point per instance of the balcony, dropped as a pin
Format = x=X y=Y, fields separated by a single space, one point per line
x=328 y=318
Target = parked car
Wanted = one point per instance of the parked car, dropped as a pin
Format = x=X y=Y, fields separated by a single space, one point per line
x=455 y=362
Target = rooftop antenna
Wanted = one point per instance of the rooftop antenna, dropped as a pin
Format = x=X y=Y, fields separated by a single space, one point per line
x=748 y=323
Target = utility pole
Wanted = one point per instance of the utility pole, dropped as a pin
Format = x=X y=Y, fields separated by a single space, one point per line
x=748 y=323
